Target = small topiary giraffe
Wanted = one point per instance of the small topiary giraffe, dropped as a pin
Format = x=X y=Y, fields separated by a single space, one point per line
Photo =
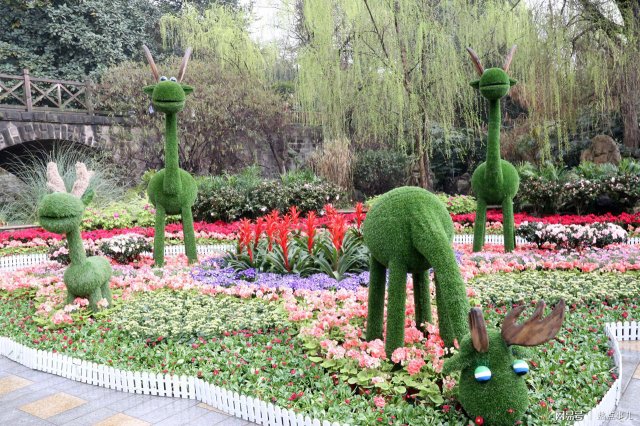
x=409 y=230
x=171 y=190
x=61 y=212
x=495 y=181
x=492 y=384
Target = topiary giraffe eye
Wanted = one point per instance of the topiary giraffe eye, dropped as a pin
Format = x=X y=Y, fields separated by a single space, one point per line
x=163 y=78
x=482 y=374
x=520 y=367
x=173 y=79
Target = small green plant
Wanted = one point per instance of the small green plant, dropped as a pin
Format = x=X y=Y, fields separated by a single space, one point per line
x=378 y=171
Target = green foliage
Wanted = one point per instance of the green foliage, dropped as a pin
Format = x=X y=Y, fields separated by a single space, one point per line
x=133 y=211
x=378 y=171
x=458 y=204
x=588 y=188
x=231 y=197
x=410 y=230
x=186 y=316
x=73 y=40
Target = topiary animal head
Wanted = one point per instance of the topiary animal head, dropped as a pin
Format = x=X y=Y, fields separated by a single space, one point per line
x=168 y=94
x=61 y=212
x=494 y=83
x=492 y=383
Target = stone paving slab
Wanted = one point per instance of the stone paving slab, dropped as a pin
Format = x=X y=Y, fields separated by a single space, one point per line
x=29 y=397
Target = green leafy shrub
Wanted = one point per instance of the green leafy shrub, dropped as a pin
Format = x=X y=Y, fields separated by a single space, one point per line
x=246 y=195
x=133 y=211
x=378 y=171
x=184 y=316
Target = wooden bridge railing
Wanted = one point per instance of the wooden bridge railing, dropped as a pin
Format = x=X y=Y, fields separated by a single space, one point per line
x=31 y=94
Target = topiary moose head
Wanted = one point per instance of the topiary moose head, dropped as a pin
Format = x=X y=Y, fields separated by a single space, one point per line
x=491 y=384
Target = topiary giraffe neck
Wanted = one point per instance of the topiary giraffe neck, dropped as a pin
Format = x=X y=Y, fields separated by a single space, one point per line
x=172 y=182
x=493 y=170
x=76 y=249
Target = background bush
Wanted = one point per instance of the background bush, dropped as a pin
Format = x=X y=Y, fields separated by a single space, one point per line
x=378 y=171
x=246 y=195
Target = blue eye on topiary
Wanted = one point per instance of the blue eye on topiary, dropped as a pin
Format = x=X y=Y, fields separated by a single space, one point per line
x=163 y=78
x=482 y=374
x=520 y=367
x=173 y=79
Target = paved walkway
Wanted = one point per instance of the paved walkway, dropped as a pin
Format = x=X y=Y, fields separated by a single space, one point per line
x=29 y=397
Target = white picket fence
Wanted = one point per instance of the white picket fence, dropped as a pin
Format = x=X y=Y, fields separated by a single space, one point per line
x=499 y=239
x=11 y=263
x=232 y=403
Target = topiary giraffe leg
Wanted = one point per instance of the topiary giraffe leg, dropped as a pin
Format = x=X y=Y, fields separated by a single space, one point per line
x=422 y=298
x=508 y=225
x=396 y=307
x=375 y=307
x=106 y=292
x=479 y=225
x=158 y=239
x=189 y=236
x=94 y=298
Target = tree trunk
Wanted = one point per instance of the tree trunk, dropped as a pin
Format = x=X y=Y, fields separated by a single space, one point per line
x=629 y=93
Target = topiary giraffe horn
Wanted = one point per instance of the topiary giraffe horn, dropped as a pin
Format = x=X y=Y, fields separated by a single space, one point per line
x=476 y=61
x=478 y=329
x=509 y=58
x=152 y=64
x=183 y=65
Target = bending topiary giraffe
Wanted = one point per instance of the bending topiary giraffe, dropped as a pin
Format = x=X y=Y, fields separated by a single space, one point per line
x=491 y=384
x=61 y=212
x=171 y=190
x=495 y=181
x=409 y=231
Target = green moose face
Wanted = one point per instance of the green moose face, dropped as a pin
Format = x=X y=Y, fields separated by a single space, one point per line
x=168 y=95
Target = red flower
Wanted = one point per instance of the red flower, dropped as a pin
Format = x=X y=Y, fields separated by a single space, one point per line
x=360 y=215
x=283 y=240
x=479 y=420
x=337 y=229
x=294 y=214
x=309 y=225
x=330 y=211
x=258 y=228
x=245 y=237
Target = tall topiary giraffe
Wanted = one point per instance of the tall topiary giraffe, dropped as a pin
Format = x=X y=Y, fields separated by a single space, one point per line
x=61 y=212
x=491 y=383
x=409 y=230
x=495 y=181
x=171 y=190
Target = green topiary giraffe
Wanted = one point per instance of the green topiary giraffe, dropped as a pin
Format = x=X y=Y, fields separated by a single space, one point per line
x=409 y=230
x=492 y=384
x=61 y=212
x=495 y=181
x=171 y=190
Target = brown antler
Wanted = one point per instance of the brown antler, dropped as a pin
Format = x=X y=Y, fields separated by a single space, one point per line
x=183 y=65
x=476 y=61
x=54 y=181
x=83 y=176
x=509 y=58
x=536 y=330
x=478 y=329
x=152 y=64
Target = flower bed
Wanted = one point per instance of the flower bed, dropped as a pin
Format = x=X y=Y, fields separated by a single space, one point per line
x=334 y=373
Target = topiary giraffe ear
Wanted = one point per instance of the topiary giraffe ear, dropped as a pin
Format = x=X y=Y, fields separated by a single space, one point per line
x=149 y=89
x=475 y=84
x=187 y=89
x=513 y=82
x=87 y=196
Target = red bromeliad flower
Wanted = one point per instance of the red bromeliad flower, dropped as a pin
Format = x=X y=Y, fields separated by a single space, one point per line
x=271 y=224
x=245 y=237
x=337 y=229
x=309 y=225
x=258 y=228
x=360 y=214
x=330 y=211
x=284 y=227
x=294 y=214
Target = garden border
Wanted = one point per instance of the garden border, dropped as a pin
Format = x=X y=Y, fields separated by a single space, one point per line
x=232 y=403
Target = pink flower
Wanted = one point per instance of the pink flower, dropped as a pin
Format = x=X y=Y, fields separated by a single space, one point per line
x=415 y=365
x=379 y=401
